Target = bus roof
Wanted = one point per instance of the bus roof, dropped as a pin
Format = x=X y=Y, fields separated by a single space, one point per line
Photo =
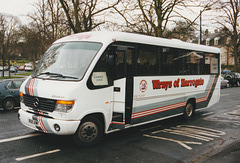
x=107 y=37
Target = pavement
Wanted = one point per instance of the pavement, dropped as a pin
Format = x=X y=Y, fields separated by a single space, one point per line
x=228 y=155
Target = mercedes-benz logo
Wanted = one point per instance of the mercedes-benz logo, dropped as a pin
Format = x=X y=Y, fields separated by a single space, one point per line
x=36 y=102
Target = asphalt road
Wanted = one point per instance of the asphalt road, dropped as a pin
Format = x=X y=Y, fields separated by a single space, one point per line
x=212 y=135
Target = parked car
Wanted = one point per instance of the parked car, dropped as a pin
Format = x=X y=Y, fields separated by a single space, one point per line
x=224 y=83
x=3 y=68
x=21 y=68
x=28 y=66
x=9 y=93
x=233 y=78
x=13 y=69
x=225 y=71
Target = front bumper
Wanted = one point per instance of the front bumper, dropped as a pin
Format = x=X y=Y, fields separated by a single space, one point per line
x=48 y=125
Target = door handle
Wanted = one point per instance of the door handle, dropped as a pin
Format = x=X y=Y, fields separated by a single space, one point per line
x=117 y=89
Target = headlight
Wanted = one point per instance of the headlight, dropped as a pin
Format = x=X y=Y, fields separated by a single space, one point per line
x=64 y=106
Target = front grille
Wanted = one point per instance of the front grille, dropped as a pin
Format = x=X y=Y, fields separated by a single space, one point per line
x=43 y=103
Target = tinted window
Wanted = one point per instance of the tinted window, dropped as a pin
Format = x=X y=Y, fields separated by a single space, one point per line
x=147 y=60
x=169 y=59
x=186 y=62
x=119 y=64
x=211 y=63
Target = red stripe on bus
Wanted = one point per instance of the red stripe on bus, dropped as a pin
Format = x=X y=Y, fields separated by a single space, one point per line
x=206 y=97
x=157 y=110
x=39 y=118
x=30 y=87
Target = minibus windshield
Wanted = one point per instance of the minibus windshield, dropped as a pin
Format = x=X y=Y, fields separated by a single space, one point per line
x=66 y=61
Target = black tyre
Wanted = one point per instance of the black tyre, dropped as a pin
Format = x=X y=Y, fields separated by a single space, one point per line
x=89 y=132
x=188 y=110
x=237 y=83
x=8 y=104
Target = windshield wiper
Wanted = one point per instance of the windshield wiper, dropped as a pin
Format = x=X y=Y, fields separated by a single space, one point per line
x=55 y=75
x=47 y=73
x=64 y=76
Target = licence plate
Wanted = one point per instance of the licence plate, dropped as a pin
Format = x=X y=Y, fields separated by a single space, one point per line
x=33 y=121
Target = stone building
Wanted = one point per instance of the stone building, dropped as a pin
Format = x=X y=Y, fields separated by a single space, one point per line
x=218 y=39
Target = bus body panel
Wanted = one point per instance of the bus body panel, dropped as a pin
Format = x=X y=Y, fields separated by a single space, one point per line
x=46 y=125
x=170 y=96
x=86 y=102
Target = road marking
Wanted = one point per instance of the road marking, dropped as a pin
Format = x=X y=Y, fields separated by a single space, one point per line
x=187 y=134
x=205 y=114
x=224 y=95
x=182 y=143
x=37 y=155
x=231 y=116
x=19 y=137
x=194 y=132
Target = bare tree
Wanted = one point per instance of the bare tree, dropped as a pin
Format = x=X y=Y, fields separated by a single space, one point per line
x=8 y=37
x=47 y=25
x=150 y=16
x=157 y=17
x=81 y=15
x=31 y=45
x=230 y=22
x=49 y=19
x=182 y=31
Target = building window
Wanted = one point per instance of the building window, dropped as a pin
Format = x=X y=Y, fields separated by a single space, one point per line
x=216 y=40
x=208 y=41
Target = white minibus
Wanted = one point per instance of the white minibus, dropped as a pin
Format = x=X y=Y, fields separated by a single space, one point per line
x=93 y=83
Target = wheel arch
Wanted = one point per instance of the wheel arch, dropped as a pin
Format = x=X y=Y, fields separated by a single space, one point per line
x=100 y=116
x=9 y=97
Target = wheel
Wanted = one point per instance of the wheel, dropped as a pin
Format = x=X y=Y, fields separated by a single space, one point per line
x=188 y=111
x=8 y=104
x=89 y=132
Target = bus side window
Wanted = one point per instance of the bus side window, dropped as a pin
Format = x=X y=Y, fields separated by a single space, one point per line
x=211 y=64
x=147 y=60
x=169 y=55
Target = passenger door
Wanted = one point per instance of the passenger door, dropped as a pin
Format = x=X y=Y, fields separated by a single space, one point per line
x=123 y=84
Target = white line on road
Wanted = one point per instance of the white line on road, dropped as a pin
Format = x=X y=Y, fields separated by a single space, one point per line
x=225 y=95
x=38 y=154
x=19 y=137
x=205 y=114
x=182 y=143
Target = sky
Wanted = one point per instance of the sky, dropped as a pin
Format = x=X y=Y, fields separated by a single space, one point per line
x=17 y=7
x=21 y=8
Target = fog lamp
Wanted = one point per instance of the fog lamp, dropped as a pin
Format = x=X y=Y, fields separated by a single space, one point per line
x=56 y=127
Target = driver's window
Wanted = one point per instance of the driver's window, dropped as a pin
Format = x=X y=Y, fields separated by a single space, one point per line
x=99 y=77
